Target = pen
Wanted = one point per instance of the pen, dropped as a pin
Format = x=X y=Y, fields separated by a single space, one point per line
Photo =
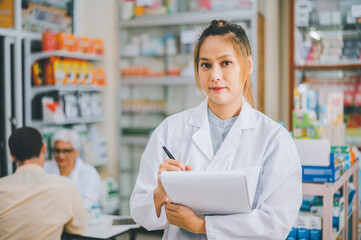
x=168 y=153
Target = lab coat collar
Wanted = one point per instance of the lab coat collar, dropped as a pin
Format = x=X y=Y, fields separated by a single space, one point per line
x=246 y=119
x=199 y=118
x=79 y=164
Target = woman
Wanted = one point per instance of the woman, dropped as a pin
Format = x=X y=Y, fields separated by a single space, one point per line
x=66 y=146
x=223 y=133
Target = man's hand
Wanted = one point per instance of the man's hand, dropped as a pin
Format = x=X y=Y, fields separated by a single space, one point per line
x=183 y=217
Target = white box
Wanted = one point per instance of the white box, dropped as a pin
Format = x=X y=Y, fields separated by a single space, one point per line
x=314 y=152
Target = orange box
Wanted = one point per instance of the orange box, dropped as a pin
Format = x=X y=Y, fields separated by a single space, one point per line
x=70 y=69
x=87 y=69
x=48 y=71
x=60 y=74
x=99 y=77
x=38 y=76
x=75 y=45
x=65 y=41
x=84 y=45
x=6 y=13
x=48 y=41
x=98 y=46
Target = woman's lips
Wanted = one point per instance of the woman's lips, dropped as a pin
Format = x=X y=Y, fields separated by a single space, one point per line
x=217 y=89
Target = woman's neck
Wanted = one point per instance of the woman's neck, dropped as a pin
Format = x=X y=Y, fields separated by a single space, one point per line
x=225 y=112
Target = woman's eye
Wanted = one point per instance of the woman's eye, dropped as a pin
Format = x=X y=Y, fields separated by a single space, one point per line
x=205 y=65
x=226 y=63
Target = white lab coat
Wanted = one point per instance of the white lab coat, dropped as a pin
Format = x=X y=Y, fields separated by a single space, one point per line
x=255 y=143
x=85 y=177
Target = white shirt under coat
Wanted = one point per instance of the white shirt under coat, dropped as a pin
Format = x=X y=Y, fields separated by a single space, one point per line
x=255 y=143
x=85 y=177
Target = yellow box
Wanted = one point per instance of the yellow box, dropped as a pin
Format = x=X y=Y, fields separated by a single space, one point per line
x=6 y=13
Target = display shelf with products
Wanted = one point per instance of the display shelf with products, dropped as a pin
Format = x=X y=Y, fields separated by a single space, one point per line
x=63 y=88
x=156 y=68
x=325 y=103
x=324 y=35
x=21 y=20
x=64 y=81
x=327 y=191
x=61 y=53
x=169 y=81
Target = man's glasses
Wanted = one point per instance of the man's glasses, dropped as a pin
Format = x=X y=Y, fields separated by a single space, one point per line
x=64 y=151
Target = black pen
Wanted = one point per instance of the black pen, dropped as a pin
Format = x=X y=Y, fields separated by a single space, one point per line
x=168 y=153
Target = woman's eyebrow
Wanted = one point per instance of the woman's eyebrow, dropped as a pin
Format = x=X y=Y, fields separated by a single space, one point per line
x=223 y=56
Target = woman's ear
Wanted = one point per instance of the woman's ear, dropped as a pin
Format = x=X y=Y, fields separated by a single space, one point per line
x=250 y=64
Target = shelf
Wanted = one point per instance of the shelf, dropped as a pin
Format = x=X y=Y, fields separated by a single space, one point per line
x=319 y=189
x=90 y=119
x=187 y=18
x=336 y=66
x=150 y=56
x=43 y=55
x=66 y=88
x=336 y=234
x=158 y=81
x=11 y=32
x=140 y=140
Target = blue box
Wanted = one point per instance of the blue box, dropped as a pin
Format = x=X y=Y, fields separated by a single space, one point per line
x=320 y=173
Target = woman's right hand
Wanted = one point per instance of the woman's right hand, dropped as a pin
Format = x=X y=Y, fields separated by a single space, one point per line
x=168 y=165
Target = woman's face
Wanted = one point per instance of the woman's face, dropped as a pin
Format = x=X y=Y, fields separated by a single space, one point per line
x=65 y=154
x=220 y=73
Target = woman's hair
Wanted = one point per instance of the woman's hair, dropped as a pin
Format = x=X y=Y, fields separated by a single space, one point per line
x=66 y=135
x=236 y=35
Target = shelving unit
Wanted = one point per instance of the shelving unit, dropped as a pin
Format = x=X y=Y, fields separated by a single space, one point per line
x=12 y=40
x=18 y=60
x=30 y=91
x=161 y=81
x=322 y=54
x=327 y=191
x=169 y=89
x=339 y=13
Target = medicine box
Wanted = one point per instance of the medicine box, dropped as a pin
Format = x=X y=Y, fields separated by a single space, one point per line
x=318 y=163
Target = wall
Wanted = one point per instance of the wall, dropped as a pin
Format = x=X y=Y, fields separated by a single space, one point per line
x=99 y=19
x=284 y=63
x=276 y=15
x=272 y=99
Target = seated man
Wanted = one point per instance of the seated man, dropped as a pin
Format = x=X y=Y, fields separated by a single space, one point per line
x=66 y=146
x=33 y=204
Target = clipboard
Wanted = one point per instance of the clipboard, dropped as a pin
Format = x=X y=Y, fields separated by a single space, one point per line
x=221 y=192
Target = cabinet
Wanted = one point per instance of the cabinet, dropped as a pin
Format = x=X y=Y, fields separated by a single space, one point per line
x=350 y=229
x=156 y=72
x=325 y=42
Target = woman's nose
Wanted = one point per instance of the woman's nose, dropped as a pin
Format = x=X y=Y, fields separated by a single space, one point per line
x=216 y=74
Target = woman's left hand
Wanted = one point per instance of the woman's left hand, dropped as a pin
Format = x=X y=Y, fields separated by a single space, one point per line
x=183 y=217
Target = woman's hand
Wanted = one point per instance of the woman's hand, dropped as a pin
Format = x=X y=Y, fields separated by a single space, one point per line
x=183 y=217
x=159 y=194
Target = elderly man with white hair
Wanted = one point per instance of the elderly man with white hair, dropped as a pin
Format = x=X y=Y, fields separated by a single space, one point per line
x=66 y=146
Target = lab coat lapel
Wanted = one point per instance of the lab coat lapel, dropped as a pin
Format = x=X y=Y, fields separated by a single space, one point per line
x=202 y=137
x=246 y=119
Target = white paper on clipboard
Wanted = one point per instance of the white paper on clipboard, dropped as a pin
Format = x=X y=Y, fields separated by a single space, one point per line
x=223 y=192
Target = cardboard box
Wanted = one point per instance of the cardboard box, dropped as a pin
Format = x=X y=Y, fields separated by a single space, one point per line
x=7 y=14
